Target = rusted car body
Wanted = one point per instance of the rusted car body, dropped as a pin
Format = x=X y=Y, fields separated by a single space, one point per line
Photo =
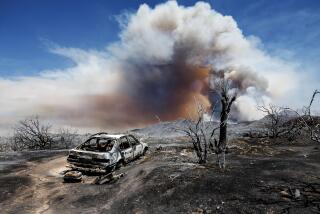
x=104 y=152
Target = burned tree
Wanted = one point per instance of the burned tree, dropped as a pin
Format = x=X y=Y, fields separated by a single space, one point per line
x=308 y=108
x=227 y=98
x=196 y=129
x=66 y=137
x=203 y=133
x=275 y=120
x=30 y=133
x=289 y=123
x=311 y=122
x=280 y=122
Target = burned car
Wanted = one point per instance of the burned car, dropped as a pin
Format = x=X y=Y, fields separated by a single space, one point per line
x=104 y=152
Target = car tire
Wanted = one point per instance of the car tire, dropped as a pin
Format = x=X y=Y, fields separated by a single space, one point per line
x=120 y=164
x=144 y=151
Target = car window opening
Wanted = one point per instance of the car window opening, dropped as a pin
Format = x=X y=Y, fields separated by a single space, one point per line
x=98 y=145
x=124 y=145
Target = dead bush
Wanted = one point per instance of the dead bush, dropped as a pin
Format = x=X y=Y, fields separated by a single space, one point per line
x=32 y=134
x=289 y=123
x=66 y=137
x=196 y=130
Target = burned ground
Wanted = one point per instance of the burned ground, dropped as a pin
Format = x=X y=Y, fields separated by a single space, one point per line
x=168 y=180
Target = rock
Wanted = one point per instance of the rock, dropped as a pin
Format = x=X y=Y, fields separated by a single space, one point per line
x=117 y=177
x=174 y=175
x=297 y=193
x=72 y=176
x=198 y=211
x=108 y=178
x=285 y=194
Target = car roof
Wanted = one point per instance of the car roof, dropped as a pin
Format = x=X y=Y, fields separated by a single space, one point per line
x=114 y=136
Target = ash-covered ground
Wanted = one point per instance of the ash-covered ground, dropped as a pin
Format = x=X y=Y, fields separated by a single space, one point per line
x=262 y=176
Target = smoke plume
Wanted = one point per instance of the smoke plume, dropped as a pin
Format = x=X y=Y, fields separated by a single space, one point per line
x=165 y=57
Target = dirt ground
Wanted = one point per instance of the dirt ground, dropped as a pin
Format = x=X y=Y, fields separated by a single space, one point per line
x=258 y=179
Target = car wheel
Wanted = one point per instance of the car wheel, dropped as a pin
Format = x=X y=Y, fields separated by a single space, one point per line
x=120 y=164
x=145 y=151
x=110 y=169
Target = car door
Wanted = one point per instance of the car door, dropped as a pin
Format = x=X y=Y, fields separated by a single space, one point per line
x=136 y=146
x=126 y=149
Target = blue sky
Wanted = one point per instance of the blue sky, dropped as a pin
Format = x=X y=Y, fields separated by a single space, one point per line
x=289 y=28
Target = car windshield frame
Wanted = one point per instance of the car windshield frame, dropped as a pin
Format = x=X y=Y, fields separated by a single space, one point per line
x=106 y=147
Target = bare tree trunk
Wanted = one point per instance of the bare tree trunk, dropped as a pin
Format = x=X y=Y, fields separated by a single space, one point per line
x=227 y=100
x=224 y=159
x=223 y=133
x=223 y=126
